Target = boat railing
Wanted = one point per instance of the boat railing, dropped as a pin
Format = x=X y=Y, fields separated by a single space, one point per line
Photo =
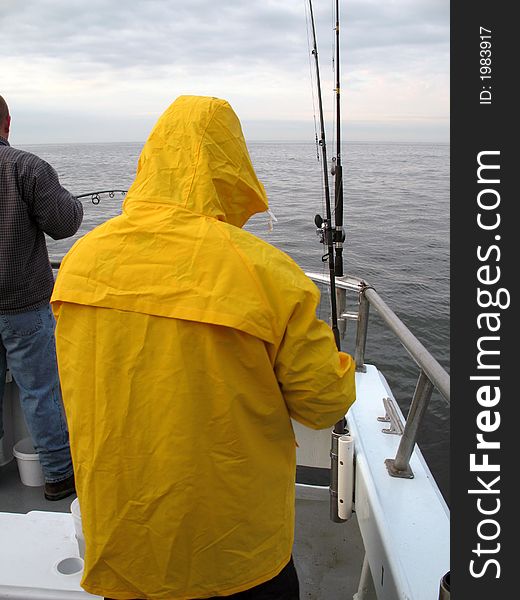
x=431 y=374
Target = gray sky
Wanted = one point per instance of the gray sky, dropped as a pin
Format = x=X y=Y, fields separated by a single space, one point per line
x=104 y=70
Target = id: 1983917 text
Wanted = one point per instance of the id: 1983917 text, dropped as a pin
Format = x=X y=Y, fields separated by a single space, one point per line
x=485 y=65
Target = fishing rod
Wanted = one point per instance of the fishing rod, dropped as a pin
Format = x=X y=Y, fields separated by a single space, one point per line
x=328 y=235
x=95 y=196
x=337 y=170
x=325 y=225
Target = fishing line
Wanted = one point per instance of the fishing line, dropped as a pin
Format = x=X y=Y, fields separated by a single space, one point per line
x=313 y=83
x=314 y=86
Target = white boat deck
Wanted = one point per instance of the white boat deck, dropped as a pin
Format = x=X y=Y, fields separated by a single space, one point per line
x=405 y=523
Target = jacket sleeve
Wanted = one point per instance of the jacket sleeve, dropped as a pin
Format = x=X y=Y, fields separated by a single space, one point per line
x=56 y=211
x=316 y=380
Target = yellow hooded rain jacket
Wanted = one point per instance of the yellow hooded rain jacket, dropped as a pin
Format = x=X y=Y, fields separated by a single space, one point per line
x=185 y=345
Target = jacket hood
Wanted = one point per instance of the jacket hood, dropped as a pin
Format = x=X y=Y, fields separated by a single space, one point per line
x=178 y=250
x=196 y=158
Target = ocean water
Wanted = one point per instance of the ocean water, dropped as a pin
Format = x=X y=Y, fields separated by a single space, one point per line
x=396 y=219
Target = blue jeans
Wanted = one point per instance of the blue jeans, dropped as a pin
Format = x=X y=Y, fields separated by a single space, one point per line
x=27 y=346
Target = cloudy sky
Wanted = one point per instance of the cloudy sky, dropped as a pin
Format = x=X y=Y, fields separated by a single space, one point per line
x=104 y=70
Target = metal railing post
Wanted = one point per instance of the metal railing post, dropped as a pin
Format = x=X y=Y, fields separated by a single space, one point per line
x=432 y=374
x=361 y=333
x=400 y=466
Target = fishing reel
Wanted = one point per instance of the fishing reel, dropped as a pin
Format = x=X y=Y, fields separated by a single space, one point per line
x=322 y=227
x=322 y=231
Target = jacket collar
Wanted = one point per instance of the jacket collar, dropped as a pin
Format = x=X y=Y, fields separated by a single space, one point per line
x=3 y=141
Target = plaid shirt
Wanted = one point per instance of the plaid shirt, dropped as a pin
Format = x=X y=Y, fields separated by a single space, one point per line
x=32 y=202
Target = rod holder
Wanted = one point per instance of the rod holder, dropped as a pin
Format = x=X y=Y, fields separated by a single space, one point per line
x=333 y=487
x=345 y=476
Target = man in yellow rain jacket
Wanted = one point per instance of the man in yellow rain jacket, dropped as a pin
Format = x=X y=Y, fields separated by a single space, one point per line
x=185 y=345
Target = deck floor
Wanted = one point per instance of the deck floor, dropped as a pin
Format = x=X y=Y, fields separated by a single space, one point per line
x=19 y=498
x=328 y=556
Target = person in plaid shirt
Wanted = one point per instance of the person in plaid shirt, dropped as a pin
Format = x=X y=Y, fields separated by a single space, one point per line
x=33 y=203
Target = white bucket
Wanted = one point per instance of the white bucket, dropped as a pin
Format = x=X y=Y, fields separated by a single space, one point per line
x=78 y=528
x=28 y=462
